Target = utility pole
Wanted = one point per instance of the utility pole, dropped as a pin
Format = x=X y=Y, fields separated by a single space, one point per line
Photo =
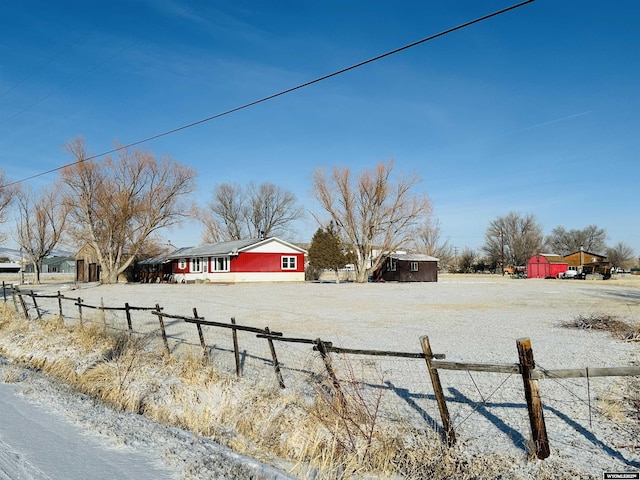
x=502 y=251
x=455 y=257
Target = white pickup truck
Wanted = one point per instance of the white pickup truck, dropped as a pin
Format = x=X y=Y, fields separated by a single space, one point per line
x=572 y=272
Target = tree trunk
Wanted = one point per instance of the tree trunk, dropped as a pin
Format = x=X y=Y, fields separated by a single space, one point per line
x=37 y=267
x=362 y=275
x=111 y=278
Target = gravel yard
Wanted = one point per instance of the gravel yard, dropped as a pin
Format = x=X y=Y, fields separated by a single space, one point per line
x=468 y=318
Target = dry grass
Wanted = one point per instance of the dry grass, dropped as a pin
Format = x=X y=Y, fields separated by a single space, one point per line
x=625 y=280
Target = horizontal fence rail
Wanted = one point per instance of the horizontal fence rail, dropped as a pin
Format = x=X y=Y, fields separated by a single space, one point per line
x=586 y=372
x=476 y=367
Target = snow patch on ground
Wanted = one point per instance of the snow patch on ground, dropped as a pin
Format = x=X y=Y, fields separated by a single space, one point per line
x=49 y=431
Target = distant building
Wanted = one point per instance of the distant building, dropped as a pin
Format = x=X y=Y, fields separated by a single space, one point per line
x=590 y=265
x=87 y=265
x=9 y=267
x=582 y=257
x=546 y=265
x=55 y=265
x=407 y=267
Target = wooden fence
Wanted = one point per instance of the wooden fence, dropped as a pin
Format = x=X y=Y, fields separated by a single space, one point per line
x=525 y=367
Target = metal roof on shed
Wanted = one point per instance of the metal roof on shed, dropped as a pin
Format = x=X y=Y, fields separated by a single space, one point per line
x=414 y=257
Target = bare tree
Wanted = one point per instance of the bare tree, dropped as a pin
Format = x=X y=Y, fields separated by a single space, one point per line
x=375 y=214
x=235 y=213
x=429 y=240
x=225 y=218
x=7 y=194
x=621 y=255
x=514 y=238
x=117 y=205
x=466 y=260
x=273 y=209
x=40 y=225
x=564 y=242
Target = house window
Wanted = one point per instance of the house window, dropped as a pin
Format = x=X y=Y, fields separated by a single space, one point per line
x=182 y=264
x=220 y=264
x=391 y=265
x=414 y=266
x=196 y=265
x=288 y=263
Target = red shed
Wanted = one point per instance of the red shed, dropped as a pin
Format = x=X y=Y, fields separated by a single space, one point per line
x=545 y=265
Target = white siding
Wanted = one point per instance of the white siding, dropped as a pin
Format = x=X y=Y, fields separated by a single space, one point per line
x=273 y=246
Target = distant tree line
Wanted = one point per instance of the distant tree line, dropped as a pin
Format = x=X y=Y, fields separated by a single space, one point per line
x=511 y=239
x=119 y=206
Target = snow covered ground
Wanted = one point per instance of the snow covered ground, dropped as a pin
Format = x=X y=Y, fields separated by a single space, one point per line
x=50 y=432
x=468 y=318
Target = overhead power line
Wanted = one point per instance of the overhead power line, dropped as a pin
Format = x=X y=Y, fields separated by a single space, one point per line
x=283 y=92
x=42 y=67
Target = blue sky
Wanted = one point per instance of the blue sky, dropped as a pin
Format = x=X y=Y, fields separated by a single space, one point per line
x=533 y=111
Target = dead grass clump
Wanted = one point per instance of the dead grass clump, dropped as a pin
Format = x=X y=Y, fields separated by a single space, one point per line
x=117 y=378
x=605 y=322
x=193 y=368
x=53 y=324
x=13 y=375
x=61 y=368
x=91 y=337
x=6 y=314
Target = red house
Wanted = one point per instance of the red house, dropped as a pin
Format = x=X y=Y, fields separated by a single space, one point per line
x=252 y=260
x=545 y=265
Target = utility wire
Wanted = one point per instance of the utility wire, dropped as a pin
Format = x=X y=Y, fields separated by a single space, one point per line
x=45 y=64
x=281 y=93
x=71 y=82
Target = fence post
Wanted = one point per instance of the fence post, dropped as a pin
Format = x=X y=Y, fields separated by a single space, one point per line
x=322 y=348
x=276 y=365
x=24 y=305
x=80 y=310
x=164 y=334
x=236 y=350
x=534 y=402
x=35 y=304
x=4 y=292
x=102 y=315
x=200 y=335
x=127 y=312
x=450 y=434
x=60 y=305
x=13 y=295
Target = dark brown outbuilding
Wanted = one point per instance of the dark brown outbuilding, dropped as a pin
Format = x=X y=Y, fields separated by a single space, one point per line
x=408 y=267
